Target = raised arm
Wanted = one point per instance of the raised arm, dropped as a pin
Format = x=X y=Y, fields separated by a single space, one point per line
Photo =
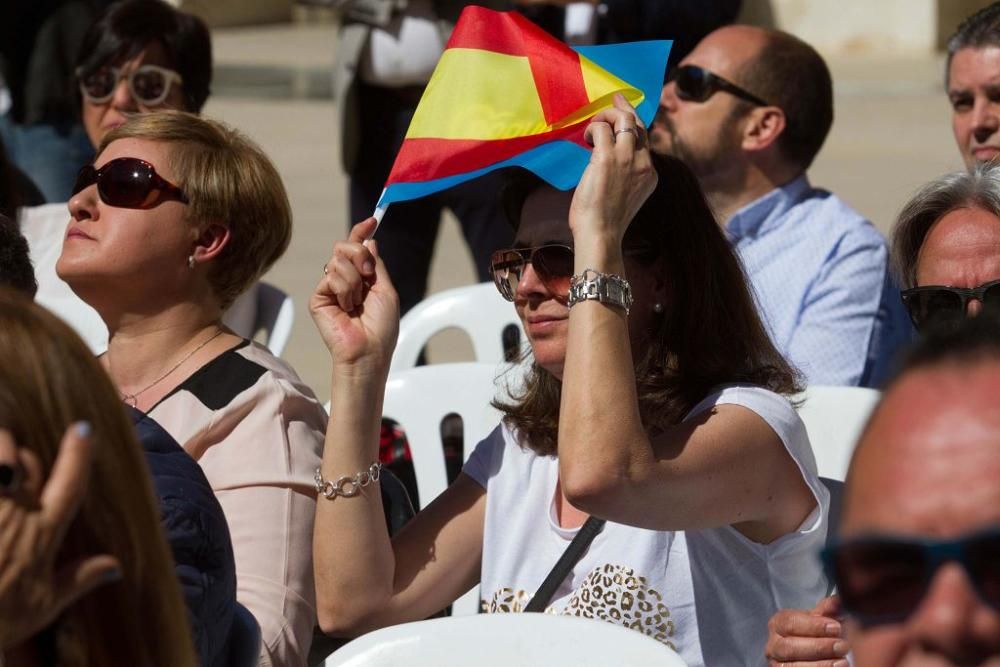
x=692 y=475
x=364 y=580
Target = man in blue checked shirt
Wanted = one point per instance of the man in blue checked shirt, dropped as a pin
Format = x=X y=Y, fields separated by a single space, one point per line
x=748 y=110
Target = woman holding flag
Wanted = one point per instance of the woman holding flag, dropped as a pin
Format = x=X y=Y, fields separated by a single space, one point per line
x=654 y=402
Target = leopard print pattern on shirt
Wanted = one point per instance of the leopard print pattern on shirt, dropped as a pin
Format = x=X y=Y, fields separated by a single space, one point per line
x=611 y=593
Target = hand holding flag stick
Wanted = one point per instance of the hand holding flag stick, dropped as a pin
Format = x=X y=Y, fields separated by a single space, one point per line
x=505 y=93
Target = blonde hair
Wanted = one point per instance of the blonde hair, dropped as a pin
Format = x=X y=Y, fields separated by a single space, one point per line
x=228 y=180
x=48 y=381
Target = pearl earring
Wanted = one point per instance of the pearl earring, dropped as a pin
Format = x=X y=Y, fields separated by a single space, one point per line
x=190 y=261
x=658 y=308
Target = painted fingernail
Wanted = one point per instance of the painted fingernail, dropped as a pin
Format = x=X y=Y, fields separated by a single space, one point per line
x=112 y=576
x=832 y=630
x=83 y=429
x=841 y=648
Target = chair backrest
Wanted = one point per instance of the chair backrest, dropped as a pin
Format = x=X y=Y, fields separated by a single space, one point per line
x=834 y=418
x=244 y=639
x=420 y=398
x=492 y=640
x=478 y=310
x=275 y=316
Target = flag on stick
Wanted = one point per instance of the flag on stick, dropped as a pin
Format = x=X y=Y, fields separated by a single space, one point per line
x=506 y=93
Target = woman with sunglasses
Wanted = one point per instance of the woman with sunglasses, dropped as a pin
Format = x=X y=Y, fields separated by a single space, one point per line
x=653 y=401
x=140 y=56
x=176 y=216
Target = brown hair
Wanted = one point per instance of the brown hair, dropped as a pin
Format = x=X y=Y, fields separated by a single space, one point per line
x=228 y=180
x=791 y=75
x=710 y=335
x=48 y=381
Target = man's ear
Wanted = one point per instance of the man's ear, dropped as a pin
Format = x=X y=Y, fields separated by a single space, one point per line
x=763 y=127
x=210 y=242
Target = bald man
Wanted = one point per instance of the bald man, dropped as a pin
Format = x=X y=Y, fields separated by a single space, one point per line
x=918 y=561
x=748 y=110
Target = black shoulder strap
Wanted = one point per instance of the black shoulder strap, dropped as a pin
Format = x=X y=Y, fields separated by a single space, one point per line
x=591 y=527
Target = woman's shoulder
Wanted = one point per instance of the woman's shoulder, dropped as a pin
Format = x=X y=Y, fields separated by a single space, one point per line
x=775 y=409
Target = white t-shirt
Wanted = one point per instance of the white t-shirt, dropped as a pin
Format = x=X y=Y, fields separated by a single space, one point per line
x=44 y=227
x=706 y=593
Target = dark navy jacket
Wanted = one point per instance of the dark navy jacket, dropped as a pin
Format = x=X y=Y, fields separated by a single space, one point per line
x=198 y=535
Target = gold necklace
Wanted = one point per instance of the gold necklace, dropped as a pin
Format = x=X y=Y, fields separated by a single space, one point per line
x=131 y=400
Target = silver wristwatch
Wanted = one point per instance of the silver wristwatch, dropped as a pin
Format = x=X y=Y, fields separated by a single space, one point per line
x=604 y=287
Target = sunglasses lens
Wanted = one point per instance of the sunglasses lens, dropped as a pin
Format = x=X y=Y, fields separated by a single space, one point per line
x=983 y=562
x=99 y=84
x=85 y=178
x=692 y=84
x=880 y=581
x=938 y=307
x=125 y=182
x=507 y=266
x=149 y=85
x=554 y=266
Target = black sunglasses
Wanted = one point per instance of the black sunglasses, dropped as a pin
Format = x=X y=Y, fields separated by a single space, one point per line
x=946 y=306
x=882 y=579
x=697 y=84
x=128 y=182
x=553 y=263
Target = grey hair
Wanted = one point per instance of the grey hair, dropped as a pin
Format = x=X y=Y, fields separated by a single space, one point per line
x=979 y=188
x=978 y=31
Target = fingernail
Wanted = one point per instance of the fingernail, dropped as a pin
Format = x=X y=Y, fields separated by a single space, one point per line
x=841 y=663
x=83 y=429
x=369 y=267
x=841 y=648
x=113 y=576
x=832 y=630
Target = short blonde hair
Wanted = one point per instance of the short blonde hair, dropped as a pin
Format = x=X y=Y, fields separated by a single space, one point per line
x=229 y=180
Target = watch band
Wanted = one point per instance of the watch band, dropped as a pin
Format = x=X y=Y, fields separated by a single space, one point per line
x=606 y=288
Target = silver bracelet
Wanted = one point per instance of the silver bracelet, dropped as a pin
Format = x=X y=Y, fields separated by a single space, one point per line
x=347 y=486
x=606 y=288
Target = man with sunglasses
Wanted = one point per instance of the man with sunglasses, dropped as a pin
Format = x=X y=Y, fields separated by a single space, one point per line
x=917 y=563
x=748 y=110
x=946 y=251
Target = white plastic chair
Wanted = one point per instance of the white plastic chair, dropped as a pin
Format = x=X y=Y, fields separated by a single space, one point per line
x=420 y=398
x=275 y=316
x=478 y=310
x=834 y=418
x=495 y=640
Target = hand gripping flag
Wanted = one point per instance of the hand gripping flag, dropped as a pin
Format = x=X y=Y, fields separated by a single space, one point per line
x=505 y=93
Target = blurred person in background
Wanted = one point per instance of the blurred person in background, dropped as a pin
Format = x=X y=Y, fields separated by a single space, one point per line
x=177 y=216
x=39 y=114
x=140 y=56
x=96 y=588
x=972 y=81
x=748 y=111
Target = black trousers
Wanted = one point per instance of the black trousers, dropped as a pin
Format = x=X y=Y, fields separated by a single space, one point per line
x=409 y=230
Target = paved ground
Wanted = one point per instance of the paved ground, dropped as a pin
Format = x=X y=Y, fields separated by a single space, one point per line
x=891 y=134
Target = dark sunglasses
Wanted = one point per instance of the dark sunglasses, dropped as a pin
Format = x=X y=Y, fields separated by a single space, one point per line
x=553 y=264
x=697 y=84
x=940 y=305
x=882 y=579
x=149 y=84
x=128 y=182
